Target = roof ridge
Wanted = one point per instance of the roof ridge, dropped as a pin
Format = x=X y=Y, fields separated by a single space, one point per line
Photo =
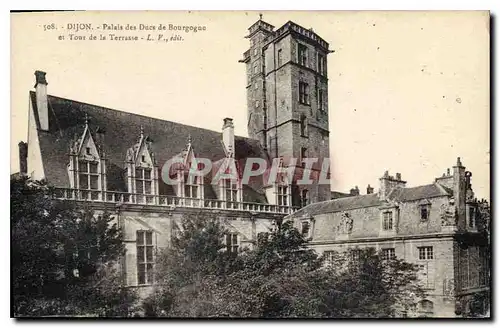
x=139 y=115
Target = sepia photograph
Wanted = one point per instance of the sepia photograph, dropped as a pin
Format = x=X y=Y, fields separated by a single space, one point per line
x=250 y=164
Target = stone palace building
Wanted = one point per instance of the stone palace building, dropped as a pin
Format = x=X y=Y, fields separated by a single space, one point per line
x=113 y=160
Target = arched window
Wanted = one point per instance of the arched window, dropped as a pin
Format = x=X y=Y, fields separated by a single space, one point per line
x=426 y=308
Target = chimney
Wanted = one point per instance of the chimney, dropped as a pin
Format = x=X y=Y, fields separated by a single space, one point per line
x=354 y=191
x=459 y=190
x=388 y=183
x=228 y=136
x=369 y=190
x=23 y=158
x=41 y=100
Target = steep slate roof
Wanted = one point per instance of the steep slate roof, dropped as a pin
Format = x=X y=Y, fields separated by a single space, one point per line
x=122 y=130
x=370 y=200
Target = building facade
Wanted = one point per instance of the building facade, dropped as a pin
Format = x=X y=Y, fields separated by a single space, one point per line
x=439 y=226
x=138 y=169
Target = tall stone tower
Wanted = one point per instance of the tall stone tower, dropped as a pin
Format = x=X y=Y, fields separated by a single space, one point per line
x=287 y=98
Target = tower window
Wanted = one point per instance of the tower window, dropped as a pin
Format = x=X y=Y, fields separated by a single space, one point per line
x=303 y=126
x=87 y=150
x=143 y=158
x=321 y=64
x=302 y=55
x=283 y=195
x=255 y=51
x=303 y=155
x=280 y=59
x=256 y=67
x=320 y=100
x=304 y=93
x=304 y=197
x=257 y=104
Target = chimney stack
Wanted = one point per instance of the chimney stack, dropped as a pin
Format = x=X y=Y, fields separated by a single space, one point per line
x=354 y=191
x=228 y=136
x=23 y=158
x=388 y=183
x=369 y=190
x=459 y=190
x=41 y=100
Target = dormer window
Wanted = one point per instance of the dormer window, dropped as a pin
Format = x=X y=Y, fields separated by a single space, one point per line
x=143 y=181
x=424 y=207
x=142 y=172
x=424 y=214
x=230 y=193
x=88 y=175
x=87 y=170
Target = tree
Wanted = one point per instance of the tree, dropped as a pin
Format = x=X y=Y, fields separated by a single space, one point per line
x=63 y=256
x=279 y=278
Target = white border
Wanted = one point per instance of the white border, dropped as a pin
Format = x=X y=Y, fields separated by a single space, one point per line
x=491 y=5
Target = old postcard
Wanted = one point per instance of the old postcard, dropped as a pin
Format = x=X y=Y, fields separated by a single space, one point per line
x=274 y=164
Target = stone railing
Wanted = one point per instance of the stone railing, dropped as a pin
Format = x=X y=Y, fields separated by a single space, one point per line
x=164 y=200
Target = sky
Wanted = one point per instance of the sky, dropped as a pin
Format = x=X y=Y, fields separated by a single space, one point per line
x=408 y=91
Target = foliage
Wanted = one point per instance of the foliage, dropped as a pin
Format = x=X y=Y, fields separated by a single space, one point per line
x=279 y=278
x=63 y=257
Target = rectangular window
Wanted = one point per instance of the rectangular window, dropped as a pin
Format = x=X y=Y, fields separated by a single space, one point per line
x=303 y=126
x=426 y=274
x=305 y=228
x=388 y=254
x=387 y=223
x=145 y=257
x=191 y=186
x=87 y=150
x=320 y=100
x=355 y=255
x=302 y=53
x=424 y=213
x=321 y=64
x=88 y=175
x=280 y=59
x=425 y=253
x=283 y=195
x=143 y=181
x=472 y=217
x=304 y=197
x=231 y=193
x=304 y=93
x=303 y=155
x=329 y=257
x=232 y=244
x=256 y=67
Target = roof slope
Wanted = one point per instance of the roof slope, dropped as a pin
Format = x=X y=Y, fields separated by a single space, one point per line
x=122 y=130
x=370 y=200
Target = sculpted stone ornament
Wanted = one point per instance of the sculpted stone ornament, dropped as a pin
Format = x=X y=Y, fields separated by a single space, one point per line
x=345 y=224
x=448 y=215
